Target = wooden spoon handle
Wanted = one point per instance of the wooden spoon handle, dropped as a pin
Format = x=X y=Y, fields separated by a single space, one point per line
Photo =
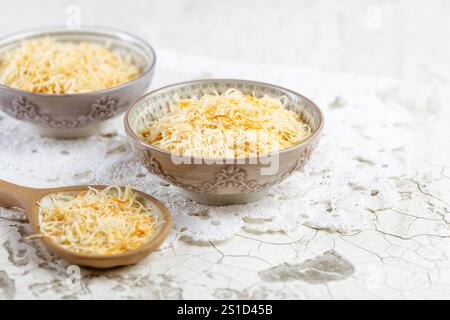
x=13 y=195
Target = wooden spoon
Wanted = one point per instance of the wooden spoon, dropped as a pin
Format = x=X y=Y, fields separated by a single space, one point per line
x=12 y=195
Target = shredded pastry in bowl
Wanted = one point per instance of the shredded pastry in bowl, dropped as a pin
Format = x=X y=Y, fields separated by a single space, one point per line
x=227 y=125
x=105 y=222
x=45 y=65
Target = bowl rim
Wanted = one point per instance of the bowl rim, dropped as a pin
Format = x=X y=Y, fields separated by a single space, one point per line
x=87 y=29
x=135 y=137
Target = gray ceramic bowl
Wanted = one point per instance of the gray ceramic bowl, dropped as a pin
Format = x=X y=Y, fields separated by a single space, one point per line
x=219 y=181
x=80 y=114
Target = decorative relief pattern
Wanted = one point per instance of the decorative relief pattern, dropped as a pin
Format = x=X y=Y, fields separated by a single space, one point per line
x=104 y=108
x=230 y=176
x=154 y=167
x=305 y=156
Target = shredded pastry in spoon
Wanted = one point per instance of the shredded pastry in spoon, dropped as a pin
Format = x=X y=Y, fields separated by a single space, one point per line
x=105 y=222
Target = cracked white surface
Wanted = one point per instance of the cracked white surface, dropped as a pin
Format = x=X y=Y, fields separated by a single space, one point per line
x=367 y=218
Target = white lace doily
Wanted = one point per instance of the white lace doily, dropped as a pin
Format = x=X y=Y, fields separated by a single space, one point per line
x=352 y=173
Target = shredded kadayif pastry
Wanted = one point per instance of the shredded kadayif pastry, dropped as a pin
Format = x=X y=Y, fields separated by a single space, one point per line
x=48 y=66
x=105 y=222
x=229 y=125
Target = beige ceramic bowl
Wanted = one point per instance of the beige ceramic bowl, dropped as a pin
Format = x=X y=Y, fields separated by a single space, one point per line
x=219 y=181
x=80 y=114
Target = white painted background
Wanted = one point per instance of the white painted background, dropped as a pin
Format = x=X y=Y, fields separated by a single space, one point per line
x=408 y=39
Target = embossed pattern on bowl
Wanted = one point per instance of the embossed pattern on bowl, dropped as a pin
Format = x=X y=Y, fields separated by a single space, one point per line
x=63 y=115
x=212 y=181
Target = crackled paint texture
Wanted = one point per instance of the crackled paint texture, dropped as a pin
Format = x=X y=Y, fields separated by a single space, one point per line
x=326 y=267
x=367 y=218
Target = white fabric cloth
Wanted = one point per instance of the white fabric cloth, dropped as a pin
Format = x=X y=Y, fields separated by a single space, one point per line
x=353 y=171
